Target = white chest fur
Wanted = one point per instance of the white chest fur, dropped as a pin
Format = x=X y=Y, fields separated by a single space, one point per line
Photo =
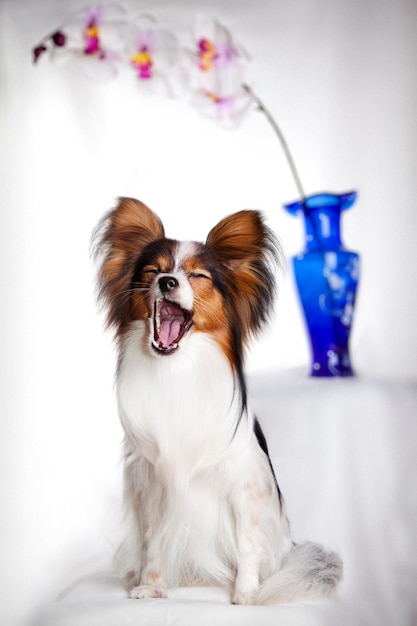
x=182 y=407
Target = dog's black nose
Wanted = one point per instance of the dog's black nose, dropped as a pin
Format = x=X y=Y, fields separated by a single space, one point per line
x=167 y=283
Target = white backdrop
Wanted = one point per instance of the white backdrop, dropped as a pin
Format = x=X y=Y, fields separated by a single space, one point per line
x=340 y=77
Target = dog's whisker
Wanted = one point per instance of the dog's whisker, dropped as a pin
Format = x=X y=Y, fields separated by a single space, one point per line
x=133 y=290
x=207 y=305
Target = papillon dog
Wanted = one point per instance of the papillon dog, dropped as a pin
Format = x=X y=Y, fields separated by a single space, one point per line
x=203 y=503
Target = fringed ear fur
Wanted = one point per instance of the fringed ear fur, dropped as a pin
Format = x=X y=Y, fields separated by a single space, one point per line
x=118 y=242
x=249 y=252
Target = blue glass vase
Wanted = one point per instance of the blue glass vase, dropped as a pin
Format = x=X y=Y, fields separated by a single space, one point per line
x=327 y=278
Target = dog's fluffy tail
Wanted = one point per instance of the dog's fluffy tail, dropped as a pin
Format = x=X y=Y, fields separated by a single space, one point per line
x=309 y=572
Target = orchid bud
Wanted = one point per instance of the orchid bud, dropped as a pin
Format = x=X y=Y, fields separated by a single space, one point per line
x=59 y=38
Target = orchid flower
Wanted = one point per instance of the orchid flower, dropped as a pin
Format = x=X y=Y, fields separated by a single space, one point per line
x=94 y=36
x=103 y=38
x=222 y=93
x=155 y=55
x=219 y=67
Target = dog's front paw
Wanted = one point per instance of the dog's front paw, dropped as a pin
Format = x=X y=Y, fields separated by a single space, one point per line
x=148 y=591
x=244 y=597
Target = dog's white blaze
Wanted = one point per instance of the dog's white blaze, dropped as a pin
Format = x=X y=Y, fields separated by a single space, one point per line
x=184 y=250
x=183 y=295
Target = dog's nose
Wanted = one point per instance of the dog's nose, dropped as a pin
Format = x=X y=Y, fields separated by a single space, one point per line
x=167 y=283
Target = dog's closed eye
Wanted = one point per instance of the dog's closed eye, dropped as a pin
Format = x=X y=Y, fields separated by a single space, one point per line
x=199 y=275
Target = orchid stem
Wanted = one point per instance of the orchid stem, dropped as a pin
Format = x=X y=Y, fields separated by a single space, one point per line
x=281 y=139
x=299 y=186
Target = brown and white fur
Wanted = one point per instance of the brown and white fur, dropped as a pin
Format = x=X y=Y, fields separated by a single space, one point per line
x=203 y=503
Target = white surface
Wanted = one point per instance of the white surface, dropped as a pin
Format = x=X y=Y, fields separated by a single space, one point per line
x=346 y=460
x=340 y=77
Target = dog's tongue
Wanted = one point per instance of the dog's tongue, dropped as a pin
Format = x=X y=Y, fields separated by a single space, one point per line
x=171 y=317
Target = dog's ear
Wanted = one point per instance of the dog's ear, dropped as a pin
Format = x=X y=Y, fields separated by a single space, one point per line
x=248 y=251
x=118 y=241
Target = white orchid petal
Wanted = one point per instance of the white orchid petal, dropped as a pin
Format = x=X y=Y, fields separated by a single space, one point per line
x=115 y=13
x=208 y=29
x=144 y=21
x=110 y=20
x=222 y=36
x=166 y=39
x=229 y=79
x=156 y=56
x=204 y=28
x=180 y=81
x=142 y=33
x=242 y=105
x=223 y=80
x=96 y=69
x=203 y=104
x=229 y=112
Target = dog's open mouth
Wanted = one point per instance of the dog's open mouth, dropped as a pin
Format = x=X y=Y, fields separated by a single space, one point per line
x=170 y=323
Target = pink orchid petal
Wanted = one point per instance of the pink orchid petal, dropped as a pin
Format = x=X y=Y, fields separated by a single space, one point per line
x=224 y=81
x=210 y=32
x=242 y=105
x=228 y=112
x=221 y=64
x=100 y=47
x=155 y=54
